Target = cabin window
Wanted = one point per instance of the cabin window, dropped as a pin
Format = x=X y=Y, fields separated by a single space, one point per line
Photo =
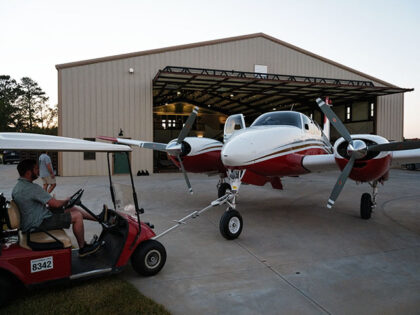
x=279 y=119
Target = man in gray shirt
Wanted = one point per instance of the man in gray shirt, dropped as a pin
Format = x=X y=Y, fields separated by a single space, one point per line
x=46 y=172
x=32 y=202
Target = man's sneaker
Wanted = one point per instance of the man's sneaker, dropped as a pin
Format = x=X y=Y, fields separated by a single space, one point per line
x=89 y=249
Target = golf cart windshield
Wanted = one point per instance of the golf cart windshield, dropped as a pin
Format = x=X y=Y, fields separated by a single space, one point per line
x=279 y=119
x=124 y=200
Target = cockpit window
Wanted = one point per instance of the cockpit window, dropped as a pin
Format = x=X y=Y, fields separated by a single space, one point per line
x=279 y=119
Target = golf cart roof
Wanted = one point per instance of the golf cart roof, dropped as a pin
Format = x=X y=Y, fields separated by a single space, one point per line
x=36 y=142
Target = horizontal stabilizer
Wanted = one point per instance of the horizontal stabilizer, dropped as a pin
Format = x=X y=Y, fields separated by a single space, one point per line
x=405 y=157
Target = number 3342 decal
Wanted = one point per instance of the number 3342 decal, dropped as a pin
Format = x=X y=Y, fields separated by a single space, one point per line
x=41 y=264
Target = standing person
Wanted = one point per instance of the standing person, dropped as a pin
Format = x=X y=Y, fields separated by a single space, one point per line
x=46 y=172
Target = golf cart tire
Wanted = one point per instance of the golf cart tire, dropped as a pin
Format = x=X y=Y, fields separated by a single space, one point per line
x=221 y=191
x=231 y=224
x=148 y=258
x=366 y=206
x=8 y=288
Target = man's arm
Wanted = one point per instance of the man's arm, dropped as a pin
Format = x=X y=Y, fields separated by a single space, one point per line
x=54 y=203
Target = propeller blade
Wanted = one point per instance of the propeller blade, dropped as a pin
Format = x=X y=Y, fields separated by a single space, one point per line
x=185 y=175
x=395 y=146
x=340 y=182
x=334 y=120
x=188 y=125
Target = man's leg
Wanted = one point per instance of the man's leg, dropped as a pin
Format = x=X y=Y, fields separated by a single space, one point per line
x=78 y=228
x=84 y=214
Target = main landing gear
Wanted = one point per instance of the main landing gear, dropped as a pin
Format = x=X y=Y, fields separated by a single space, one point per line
x=231 y=222
x=368 y=202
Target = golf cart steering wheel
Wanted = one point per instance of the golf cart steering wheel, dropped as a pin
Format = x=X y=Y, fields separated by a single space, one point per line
x=75 y=199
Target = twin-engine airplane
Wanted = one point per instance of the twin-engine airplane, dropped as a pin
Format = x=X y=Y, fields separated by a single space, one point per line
x=279 y=144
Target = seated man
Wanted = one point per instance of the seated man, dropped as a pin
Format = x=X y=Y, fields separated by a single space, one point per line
x=32 y=200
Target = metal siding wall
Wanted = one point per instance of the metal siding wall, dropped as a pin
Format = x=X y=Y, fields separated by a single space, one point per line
x=101 y=98
x=390 y=111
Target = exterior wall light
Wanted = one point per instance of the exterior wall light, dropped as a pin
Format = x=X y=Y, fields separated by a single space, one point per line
x=131 y=70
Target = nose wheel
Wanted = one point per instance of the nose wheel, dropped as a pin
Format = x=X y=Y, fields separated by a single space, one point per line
x=231 y=224
x=366 y=206
x=368 y=202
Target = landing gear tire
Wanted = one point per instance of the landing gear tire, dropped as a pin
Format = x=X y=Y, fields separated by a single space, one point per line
x=148 y=258
x=231 y=224
x=366 y=206
x=221 y=191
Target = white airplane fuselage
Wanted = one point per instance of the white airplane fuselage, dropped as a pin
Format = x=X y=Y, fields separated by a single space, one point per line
x=274 y=150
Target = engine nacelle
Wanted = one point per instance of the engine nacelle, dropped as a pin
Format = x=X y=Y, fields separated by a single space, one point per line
x=373 y=166
x=200 y=155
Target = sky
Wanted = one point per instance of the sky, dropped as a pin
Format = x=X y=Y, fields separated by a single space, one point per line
x=379 y=38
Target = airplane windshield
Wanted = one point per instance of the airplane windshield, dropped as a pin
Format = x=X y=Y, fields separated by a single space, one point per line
x=279 y=119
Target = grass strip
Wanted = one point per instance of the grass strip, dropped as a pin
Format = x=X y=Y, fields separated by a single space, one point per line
x=97 y=296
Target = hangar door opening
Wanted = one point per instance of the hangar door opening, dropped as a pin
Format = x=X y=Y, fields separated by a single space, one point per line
x=220 y=93
x=168 y=121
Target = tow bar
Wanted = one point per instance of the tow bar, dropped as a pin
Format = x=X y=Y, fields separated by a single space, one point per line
x=218 y=202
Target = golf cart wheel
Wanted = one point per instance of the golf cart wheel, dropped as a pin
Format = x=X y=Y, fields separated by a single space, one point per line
x=231 y=224
x=8 y=286
x=148 y=258
x=221 y=191
x=366 y=206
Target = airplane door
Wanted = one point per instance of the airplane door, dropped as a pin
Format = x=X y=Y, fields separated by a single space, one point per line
x=234 y=122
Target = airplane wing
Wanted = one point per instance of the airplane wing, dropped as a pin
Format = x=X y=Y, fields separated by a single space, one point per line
x=320 y=163
x=37 y=142
x=405 y=157
x=142 y=144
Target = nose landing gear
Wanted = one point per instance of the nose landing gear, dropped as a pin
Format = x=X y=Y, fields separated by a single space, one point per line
x=368 y=202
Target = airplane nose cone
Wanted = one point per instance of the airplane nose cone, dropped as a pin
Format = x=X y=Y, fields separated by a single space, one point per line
x=237 y=151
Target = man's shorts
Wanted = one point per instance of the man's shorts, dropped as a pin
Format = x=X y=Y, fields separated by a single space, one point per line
x=48 y=180
x=56 y=221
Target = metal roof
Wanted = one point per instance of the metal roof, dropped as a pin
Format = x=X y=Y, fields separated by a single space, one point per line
x=230 y=91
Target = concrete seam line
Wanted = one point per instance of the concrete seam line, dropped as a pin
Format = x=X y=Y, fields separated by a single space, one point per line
x=285 y=280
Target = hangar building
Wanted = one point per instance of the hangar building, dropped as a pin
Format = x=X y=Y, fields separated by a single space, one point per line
x=148 y=95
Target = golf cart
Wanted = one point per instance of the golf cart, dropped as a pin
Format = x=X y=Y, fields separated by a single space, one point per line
x=40 y=257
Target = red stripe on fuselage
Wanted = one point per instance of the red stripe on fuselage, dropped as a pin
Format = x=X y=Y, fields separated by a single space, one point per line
x=285 y=165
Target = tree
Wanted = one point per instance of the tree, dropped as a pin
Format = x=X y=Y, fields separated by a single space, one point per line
x=31 y=103
x=9 y=93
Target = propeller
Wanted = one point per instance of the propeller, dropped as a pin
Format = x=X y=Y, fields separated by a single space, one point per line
x=176 y=148
x=356 y=149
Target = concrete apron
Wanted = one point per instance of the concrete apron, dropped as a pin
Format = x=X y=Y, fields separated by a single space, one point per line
x=293 y=256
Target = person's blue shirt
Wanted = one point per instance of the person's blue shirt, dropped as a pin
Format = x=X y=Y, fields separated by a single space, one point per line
x=31 y=200
x=44 y=160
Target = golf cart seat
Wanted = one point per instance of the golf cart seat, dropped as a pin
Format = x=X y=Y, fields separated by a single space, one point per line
x=43 y=240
